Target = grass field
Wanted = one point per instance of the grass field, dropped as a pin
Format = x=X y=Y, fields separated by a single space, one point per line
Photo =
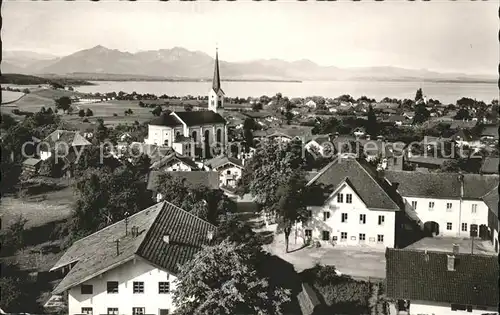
x=11 y=96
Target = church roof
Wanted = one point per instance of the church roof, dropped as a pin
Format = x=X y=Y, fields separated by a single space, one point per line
x=216 y=80
x=192 y=118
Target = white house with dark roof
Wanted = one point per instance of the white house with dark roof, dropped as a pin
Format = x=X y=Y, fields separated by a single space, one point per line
x=129 y=267
x=175 y=162
x=352 y=207
x=229 y=169
x=491 y=200
x=209 y=179
x=448 y=204
x=62 y=141
x=204 y=127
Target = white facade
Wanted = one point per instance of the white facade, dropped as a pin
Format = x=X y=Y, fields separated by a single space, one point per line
x=229 y=174
x=453 y=215
x=138 y=270
x=177 y=166
x=349 y=223
x=435 y=308
x=215 y=100
x=311 y=104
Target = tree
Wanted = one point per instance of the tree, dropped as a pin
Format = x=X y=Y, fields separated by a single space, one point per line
x=13 y=238
x=421 y=114
x=256 y=106
x=89 y=112
x=141 y=104
x=221 y=280
x=451 y=166
x=7 y=121
x=102 y=131
x=81 y=113
x=419 y=95
x=290 y=207
x=462 y=113
x=372 y=127
x=248 y=126
x=188 y=107
x=157 y=111
x=63 y=103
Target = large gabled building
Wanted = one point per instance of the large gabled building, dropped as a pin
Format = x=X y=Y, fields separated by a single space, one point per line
x=129 y=267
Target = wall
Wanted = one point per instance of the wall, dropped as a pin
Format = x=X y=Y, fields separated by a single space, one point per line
x=177 y=167
x=125 y=299
x=224 y=177
x=433 y=308
x=158 y=134
x=353 y=227
x=461 y=212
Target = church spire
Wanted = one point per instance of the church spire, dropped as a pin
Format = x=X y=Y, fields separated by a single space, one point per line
x=216 y=79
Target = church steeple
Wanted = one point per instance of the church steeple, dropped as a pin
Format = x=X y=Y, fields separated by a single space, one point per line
x=216 y=94
x=216 y=79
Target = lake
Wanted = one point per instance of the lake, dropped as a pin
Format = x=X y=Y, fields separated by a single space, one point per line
x=444 y=92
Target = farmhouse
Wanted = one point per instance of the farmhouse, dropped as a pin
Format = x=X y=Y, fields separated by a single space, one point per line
x=440 y=283
x=208 y=179
x=129 y=267
x=63 y=142
x=175 y=162
x=352 y=207
x=449 y=204
x=229 y=169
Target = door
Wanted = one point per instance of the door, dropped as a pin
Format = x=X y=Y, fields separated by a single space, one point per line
x=163 y=312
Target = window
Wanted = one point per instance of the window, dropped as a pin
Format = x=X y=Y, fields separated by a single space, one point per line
x=87 y=310
x=464 y=227
x=344 y=217
x=310 y=213
x=381 y=220
x=431 y=205
x=112 y=286
x=343 y=236
x=458 y=307
x=362 y=218
x=362 y=236
x=474 y=208
x=86 y=289
x=138 y=287
x=449 y=226
x=112 y=310
x=326 y=215
x=326 y=236
x=448 y=206
x=163 y=312
x=308 y=233
x=348 y=198
x=340 y=198
x=163 y=287
x=414 y=205
x=380 y=238
x=137 y=310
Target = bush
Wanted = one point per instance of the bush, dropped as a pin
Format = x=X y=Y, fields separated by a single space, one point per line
x=81 y=113
x=115 y=114
x=89 y=113
x=13 y=237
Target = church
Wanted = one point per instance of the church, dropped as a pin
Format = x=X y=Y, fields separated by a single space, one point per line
x=192 y=133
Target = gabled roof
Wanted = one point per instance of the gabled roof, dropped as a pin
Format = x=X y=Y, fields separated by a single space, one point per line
x=491 y=131
x=209 y=179
x=174 y=157
x=97 y=252
x=441 y=185
x=463 y=124
x=166 y=120
x=490 y=165
x=374 y=193
x=223 y=160
x=417 y=275
x=71 y=138
x=426 y=160
x=463 y=135
x=491 y=200
x=201 y=117
x=31 y=161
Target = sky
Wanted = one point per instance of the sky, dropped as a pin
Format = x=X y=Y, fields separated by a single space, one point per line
x=447 y=36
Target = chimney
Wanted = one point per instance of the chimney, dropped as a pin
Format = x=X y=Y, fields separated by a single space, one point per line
x=117 y=247
x=426 y=256
x=166 y=238
x=455 y=249
x=451 y=262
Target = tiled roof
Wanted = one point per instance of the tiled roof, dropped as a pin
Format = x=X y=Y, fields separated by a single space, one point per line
x=490 y=165
x=426 y=160
x=71 y=138
x=97 y=253
x=373 y=192
x=209 y=179
x=201 y=117
x=416 y=275
x=441 y=185
x=223 y=160
x=174 y=157
x=491 y=131
x=31 y=161
x=491 y=200
x=463 y=135
x=165 y=120
x=460 y=124
x=256 y=115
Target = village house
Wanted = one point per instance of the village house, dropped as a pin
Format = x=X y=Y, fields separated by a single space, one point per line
x=198 y=178
x=490 y=165
x=320 y=144
x=465 y=137
x=229 y=170
x=442 y=283
x=129 y=267
x=449 y=204
x=352 y=207
x=491 y=200
x=311 y=104
x=64 y=142
x=175 y=162
x=205 y=127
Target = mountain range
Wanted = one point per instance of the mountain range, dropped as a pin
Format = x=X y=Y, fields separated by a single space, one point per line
x=180 y=64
